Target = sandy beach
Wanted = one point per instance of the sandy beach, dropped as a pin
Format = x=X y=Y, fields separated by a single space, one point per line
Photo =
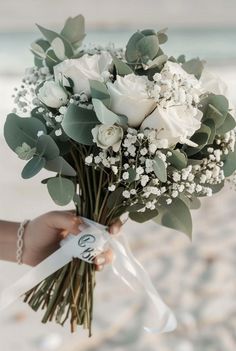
x=197 y=280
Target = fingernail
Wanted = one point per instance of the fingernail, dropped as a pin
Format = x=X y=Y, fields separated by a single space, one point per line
x=100 y=260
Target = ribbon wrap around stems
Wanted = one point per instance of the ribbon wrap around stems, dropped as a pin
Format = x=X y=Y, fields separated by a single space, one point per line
x=94 y=239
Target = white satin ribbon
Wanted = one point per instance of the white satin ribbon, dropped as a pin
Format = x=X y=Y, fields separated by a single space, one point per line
x=93 y=239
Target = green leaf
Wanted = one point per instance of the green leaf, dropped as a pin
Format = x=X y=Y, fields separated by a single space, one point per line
x=132 y=54
x=99 y=91
x=193 y=203
x=201 y=138
x=216 y=187
x=78 y=123
x=115 y=198
x=106 y=116
x=135 y=207
x=160 y=169
x=61 y=190
x=211 y=124
x=74 y=30
x=158 y=61
x=61 y=166
x=230 y=164
x=47 y=147
x=214 y=107
x=162 y=36
x=18 y=130
x=59 y=48
x=176 y=216
x=194 y=66
x=33 y=167
x=142 y=217
x=228 y=125
x=178 y=159
x=122 y=69
x=148 y=46
x=51 y=36
x=132 y=174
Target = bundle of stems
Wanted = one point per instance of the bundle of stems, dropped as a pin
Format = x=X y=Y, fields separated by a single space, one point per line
x=68 y=293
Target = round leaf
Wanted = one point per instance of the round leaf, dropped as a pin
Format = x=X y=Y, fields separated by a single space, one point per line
x=33 y=167
x=61 y=190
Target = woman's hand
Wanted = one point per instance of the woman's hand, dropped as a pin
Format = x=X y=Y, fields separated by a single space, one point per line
x=43 y=235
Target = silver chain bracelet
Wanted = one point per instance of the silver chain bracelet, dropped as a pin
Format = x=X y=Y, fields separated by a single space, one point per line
x=20 y=241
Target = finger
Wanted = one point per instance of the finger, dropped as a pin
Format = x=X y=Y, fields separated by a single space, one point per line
x=115 y=227
x=65 y=221
x=104 y=258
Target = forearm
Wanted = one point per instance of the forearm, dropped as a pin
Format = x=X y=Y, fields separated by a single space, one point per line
x=8 y=240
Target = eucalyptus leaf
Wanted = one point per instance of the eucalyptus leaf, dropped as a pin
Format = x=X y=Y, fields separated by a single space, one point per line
x=18 y=130
x=132 y=54
x=201 y=138
x=33 y=167
x=122 y=68
x=142 y=217
x=59 y=48
x=106 y=116
x=178 y=159
x=61 y=166
x=230 y=164
x=229 y=124
x=51 y=36
x=194 y=66
x=99 y=91
x=78 y=123
x=74 y=30
x=176 y=216
x=159 y=168
x=47 y=147
x=148 y=46
x=211 y=124
x=115 y=198
x=61 y=190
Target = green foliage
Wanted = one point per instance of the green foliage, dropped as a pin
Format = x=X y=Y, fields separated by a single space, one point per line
x=214 y=107
x=178 y=159
x=99 y=91
x=18 y=130
x=142 y=46
x=106 y=116
x=228 y=125
x=74 y=30
x=51 y=36
x=142 y=217
x=115 y=198
x=162 y=36
x=194 y=66
x=122 y=68
x=61 y=190
x=47 y=147
x=60 y=166
x=230 y=164
x=160 y=169
x=201 y=138
x=78 y=123
x=33 y=167
x=176 y=216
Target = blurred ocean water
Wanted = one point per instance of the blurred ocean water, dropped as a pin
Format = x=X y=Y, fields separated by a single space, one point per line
x=215 y=45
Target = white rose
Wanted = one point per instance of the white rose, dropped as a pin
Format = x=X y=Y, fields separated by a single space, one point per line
x=212 y=83
x=174 y=124
x=129 y=97
x=106 y=136
x=52 y=94
x=81 y=70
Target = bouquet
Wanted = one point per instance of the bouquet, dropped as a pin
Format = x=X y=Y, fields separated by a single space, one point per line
x=124 y=131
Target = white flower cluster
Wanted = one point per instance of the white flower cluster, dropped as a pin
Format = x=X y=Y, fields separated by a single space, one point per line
x=173 y=86
x=25 y=96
